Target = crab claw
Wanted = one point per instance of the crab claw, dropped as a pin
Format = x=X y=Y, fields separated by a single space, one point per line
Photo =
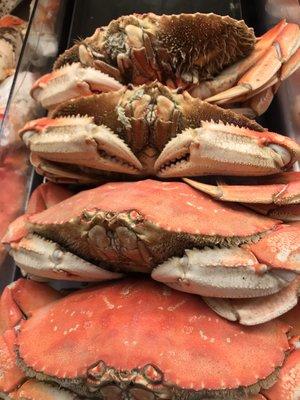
x=257 y=269
x=224 y=149
x=78 y=143
x=39 y=257
x=257 y=310
x=233 y=272
x=263 y=72
x=43 y=258
x=69 y=82
x=35 y=390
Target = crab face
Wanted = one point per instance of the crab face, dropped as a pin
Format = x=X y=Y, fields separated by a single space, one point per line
x=139 y=227
x=130 y=131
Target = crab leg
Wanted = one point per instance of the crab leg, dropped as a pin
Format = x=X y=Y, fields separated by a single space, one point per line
x=253 y=270
x=284 y=47
x=78 y=142
x=280 y=189
x=69 y=82
x=224 y=149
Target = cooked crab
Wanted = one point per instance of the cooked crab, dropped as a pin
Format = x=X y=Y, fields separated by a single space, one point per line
x=19 y=301
x=277 y=196
x=13 y=178
x=124 y=360
x=129 y=131
x=215 y=58
x=11 y=39
x=140 y=227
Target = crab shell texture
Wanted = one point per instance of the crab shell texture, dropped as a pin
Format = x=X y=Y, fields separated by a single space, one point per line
x=214 y=58
x=11 y=39
x=133 y=131
x=18 y=302
x=144 y=47
x=115 y=351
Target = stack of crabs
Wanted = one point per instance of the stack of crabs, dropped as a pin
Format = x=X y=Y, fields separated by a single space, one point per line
x=144 y=99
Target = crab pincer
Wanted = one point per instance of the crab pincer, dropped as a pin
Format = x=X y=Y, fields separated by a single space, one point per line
x=224 y=149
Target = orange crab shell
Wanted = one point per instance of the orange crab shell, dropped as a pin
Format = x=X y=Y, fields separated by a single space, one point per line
x=159 y=326
x=161 y=203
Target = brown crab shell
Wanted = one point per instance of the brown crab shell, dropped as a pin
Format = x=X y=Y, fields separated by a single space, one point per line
x=167 y=46
x=140 y=338
x=137 y=225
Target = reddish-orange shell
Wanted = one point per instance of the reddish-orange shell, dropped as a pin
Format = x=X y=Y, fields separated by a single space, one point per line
x=174 y=206
x=131 y=323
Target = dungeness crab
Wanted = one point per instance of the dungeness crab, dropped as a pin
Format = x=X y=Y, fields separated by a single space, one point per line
x=136 y=339
x=164 y=228
x=134 y=131
x=215 y=58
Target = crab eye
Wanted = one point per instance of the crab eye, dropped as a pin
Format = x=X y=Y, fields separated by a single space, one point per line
x=282 y=152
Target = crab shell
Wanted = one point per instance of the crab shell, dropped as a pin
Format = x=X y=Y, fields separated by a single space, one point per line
x=216 y=58
x=11 y=39
x=151 y=130
x=143 y=47
x=131 y=362
x=139 y=226
x=19 y=301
